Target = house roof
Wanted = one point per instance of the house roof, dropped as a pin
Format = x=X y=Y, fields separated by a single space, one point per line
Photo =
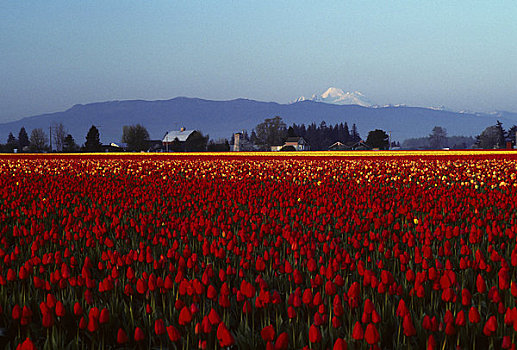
x=293 y=139
x=339 y=146
x=181 y=135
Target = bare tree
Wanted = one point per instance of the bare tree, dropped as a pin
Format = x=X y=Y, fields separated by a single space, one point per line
x=38 y=140
x=58 y=136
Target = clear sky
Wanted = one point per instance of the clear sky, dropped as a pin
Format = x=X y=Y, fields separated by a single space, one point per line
x=54 y=54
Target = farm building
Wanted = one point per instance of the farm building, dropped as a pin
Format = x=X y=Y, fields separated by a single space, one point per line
x=182 y=135
x=185 y=140
x=297 y=142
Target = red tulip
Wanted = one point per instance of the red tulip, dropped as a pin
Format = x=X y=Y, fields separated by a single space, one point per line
x=27 y=345
x=460 y=318
x=409 y=328
x=17 y=312
x=291 y=312
x=78 y=310
x=51 y=301
x=474 y=315
x=314 y=334
x=104 y=316
x=224 y=336
x=47 y=320
x=93 y=324
x=330 y=288
x=141 y=286
x=431 y=343
x=340 y=344
x=11 y=275
x=159 y=327
x=122 y=336
x=371 y=334
x=357 y=332
x=376 y=318
x=480 y=284
x=139 y=334
x=246 y=308
x=465 y=297
x=507 y=343
x=490 y=326
x=307 y=297
x=26 y=316
x=211 y=292
x=449 y=329
x=173 y=333
x=268 y=333
x=83 y=323
x=402 y=309
x=185 y=316
x=282 y=342
x=60 y=309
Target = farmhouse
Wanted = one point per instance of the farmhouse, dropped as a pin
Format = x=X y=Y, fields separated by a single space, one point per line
x=297 y=142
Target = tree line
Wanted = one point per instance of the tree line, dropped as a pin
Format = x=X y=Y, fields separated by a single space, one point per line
x=271 y=132
x=494 y=136
x=39 y=141
x=135 y=137
x=58 y=140
x=274 y=132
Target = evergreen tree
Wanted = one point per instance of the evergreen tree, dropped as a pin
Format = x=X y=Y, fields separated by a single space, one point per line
x=12 y=143
x=438 y=138
x=93 y=143
x=69 y=144
x=346 y=134
x=378 y=139
x=23 y=139
x=355 y=134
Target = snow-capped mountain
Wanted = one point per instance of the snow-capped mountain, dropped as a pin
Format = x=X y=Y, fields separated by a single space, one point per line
x=339 y=97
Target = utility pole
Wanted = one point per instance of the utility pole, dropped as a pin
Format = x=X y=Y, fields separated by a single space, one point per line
x=50 y=138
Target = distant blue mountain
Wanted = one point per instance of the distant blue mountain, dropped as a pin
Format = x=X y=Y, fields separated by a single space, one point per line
x=220 y=119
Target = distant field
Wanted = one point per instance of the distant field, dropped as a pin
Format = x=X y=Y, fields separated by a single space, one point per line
x=288 y=154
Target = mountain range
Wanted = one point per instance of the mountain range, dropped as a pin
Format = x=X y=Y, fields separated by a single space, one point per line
x=220 y=119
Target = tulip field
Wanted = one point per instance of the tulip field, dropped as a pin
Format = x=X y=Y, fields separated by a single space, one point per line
x=371 y=250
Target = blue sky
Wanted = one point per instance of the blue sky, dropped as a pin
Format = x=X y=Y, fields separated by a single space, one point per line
x=54 y=54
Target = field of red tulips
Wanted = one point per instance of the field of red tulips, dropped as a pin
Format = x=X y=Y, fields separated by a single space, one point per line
x=258 y=252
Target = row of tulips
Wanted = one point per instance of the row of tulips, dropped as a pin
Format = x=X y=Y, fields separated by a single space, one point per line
x=261 y=252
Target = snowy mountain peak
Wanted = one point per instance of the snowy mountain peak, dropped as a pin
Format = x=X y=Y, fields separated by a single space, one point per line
x=333 y=93
x=339 y=97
